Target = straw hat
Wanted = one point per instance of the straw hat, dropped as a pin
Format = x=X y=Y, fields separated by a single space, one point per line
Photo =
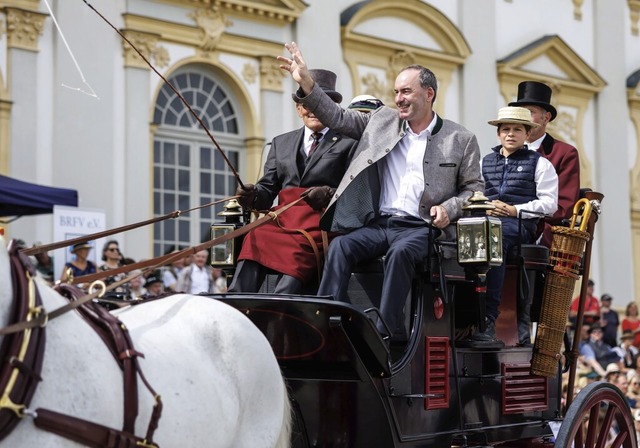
x=612 y=368
x=79 y=246
x=514 y=115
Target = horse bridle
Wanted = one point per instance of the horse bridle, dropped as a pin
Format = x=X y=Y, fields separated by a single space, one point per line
x=22 y=356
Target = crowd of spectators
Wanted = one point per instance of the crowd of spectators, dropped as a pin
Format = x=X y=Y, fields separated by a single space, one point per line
x=191 y=274
x=609 y=347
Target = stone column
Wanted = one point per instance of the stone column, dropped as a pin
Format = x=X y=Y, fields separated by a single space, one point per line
x=24 y=28
x=138 y=147
x=479 y=94
x=273 y=102
x=613 y=250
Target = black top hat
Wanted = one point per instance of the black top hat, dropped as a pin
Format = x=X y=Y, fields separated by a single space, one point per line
x=326 y=80
x=154 y=277
x=537 y=94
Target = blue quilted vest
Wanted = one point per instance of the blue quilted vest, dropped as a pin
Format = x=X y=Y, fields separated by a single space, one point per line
x=510 y=179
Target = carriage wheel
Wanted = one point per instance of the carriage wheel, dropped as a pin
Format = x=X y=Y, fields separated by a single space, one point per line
x=599 y=417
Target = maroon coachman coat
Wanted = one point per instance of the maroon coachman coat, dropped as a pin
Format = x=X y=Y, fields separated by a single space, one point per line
x=565 y=160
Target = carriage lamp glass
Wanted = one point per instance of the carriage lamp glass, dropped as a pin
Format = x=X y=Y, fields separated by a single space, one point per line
x=225 y=254
x=222 y=254
x=480 y=240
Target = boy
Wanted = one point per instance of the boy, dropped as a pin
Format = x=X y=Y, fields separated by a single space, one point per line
x=516 y=179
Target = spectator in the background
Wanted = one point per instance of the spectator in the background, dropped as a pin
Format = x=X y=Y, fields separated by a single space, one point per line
x=112 y=258
x=196 y=277
x=604 y=353
x=154 y=285
x=609 y=320
x=587 y=354
x=627 y=351
x=81 y=265
x=632 y=323
x=171 y=273
x=44 y=265
x=219 y=281
x=591 y=307
x=136 y=290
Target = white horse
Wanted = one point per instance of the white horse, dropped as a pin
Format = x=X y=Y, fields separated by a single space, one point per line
x=217 y=375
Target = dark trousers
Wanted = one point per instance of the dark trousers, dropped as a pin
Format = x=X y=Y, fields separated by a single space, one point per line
x=250 y=275
x=404 y=240
x=495 y=276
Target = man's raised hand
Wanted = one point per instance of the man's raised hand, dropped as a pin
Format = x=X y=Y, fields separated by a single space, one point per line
x=297 y=67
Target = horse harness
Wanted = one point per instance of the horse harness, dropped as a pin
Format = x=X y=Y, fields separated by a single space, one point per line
x=21 y=357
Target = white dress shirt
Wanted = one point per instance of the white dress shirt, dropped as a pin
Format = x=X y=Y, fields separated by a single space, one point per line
x=402 y=173
x=200 y=280
x=308 y=141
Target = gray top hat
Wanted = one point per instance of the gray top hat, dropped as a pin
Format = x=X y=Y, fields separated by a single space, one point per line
x=326 y=80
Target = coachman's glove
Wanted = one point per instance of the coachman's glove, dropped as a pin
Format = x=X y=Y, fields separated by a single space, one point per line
x=319 y=197
x=247 y=195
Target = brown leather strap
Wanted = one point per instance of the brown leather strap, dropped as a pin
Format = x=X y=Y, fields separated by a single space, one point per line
x=95 y=236
x=21 y=354
x=312 y=243
x=43 y=318
x=85 y=432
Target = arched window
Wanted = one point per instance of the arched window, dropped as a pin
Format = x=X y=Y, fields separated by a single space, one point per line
x=188 y=169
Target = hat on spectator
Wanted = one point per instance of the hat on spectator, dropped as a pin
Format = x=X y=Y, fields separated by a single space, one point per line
x=626 y=334
x=595 y=326
x=590 y=283
x=365 y=103
x=79 y=246
x=536 y=94
x=514 y=115
x=606 y=298
x=154 y=277
x=611 y=369
x=592 y=375
x=326 y=80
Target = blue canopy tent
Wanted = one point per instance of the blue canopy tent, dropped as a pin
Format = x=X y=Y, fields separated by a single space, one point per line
x=18 y=198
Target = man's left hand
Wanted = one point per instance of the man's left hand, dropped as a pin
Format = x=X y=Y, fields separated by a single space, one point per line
x=440 y=217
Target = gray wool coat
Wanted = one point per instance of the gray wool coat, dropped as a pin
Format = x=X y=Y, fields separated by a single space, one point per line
x=451 y=164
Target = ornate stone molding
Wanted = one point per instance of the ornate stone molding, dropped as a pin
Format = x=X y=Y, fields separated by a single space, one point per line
x=276 y=11
x=213 y=24
x=23 y=28
x=634 y=15
x=577 y=9
x=374 y=63
x=249 y=73
x=270 y=74
x=148 y=46
x=191 y=36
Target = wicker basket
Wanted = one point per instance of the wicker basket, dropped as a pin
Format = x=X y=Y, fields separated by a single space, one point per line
x=566 y=250
x=565 y=256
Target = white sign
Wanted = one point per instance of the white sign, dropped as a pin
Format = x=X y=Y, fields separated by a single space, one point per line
x=73 y=222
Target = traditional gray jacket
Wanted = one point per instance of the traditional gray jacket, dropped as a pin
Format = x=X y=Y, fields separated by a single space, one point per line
x=451 y=164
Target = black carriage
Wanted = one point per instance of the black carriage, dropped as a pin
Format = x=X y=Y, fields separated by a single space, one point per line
x=349 y=387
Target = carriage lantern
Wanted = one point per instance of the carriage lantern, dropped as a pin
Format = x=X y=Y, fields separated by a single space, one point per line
x=225 y=255
x=479 y=235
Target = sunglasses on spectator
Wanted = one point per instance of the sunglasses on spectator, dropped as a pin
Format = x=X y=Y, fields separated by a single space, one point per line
x=113 y=249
